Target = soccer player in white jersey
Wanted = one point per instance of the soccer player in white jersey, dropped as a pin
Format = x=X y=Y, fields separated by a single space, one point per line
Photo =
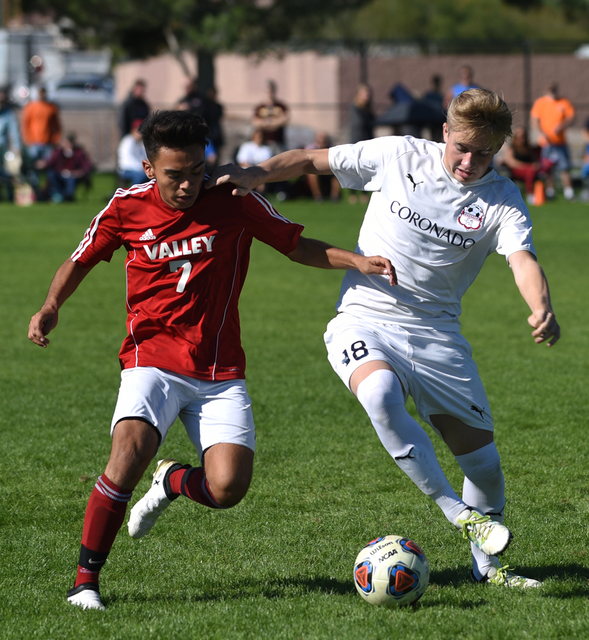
x=187 y=258
x=437 y=210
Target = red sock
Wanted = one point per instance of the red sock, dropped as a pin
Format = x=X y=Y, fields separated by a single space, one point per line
x=193 y=484
x=104 y=517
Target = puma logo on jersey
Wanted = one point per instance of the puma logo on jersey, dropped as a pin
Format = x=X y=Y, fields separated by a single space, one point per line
x=148 y=235
x=479 y=411
x=413 y=181
x=180 y=248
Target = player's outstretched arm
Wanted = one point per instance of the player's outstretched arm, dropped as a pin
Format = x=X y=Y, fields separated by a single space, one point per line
x=533 y=286
x=284 y=166
x=315 y=253
x=64 y=283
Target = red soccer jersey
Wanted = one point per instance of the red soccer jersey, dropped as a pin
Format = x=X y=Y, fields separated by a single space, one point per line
x=185 y=270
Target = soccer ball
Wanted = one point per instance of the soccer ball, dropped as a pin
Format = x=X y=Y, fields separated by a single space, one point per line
x=391 y=571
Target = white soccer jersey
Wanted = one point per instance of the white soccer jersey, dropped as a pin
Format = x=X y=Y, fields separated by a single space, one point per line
x=436 y=231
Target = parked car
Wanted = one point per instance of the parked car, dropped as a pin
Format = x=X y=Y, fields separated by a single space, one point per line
x=82 y=91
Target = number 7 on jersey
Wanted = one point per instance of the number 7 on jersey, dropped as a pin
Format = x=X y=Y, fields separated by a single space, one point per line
x=186 y=266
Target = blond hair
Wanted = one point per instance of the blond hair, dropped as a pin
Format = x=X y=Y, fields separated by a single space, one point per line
x=478 y=112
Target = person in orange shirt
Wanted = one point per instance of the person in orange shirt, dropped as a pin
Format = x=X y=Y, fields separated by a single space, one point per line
x=550 y=116
x=40 y=126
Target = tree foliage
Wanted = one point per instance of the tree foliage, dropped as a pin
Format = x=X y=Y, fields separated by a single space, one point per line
x=466 y=20
x=142 y=28
x=139 y=28
x=575 y=10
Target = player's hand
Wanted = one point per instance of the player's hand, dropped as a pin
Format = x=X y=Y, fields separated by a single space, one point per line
x=377 y=266
x=41 y=324
x=243 y=179
x=545 y=327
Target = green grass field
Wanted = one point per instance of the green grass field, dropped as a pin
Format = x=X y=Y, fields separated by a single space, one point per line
x=279 y=564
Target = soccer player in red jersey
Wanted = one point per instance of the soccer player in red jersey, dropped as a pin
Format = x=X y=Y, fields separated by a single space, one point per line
x=187 y=258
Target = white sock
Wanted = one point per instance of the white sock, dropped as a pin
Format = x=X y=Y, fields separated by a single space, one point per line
x=483 y=489
x=381 y=395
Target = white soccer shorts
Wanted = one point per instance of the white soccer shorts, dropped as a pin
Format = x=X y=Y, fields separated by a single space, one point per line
x=212 y=412
x=435 y=367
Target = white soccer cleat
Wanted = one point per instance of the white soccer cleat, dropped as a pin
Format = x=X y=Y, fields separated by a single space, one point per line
x=489 y=536
x=503 y=577
x=146 y=512
x=85 y=596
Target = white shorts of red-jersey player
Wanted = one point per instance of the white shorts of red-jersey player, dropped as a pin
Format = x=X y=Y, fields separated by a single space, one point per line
x=212 y=412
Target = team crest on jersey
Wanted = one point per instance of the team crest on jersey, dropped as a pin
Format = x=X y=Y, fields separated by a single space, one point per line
x=471 y=217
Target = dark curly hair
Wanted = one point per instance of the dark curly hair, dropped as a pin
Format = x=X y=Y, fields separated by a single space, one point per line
x=173 y=130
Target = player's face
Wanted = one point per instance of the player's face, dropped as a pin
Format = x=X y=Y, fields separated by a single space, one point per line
x=179 y=174
x=467 y=159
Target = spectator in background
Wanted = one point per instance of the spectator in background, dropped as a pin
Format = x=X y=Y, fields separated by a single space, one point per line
x=208 y=108
x=361 y=115
x=523 y=161
x=271 y=116
x=465 y=83
x=435 y=96
x=253 y=152
x=40 y=126
x=550 y=117
x=130 y=157
x=192 y=101
x=400 y=95
x=213 y=114
x=435 y=99
x=322 y=186
x=361 y=124
x=10 y=146
x=135 y=107
x=67 y=166
x=584 y=195
x=211 y=157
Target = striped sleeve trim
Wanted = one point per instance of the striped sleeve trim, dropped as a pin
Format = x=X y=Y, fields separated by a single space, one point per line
x=88 y=236
x=92 y=229
x=269 y=208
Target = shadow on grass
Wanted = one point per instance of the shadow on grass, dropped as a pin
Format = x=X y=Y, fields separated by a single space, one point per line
x=562 y=582
x=559 y=581
x=244 y=589
x=271 y=590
